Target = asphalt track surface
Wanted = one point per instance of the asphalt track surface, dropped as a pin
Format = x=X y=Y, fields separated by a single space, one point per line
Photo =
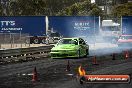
x=115 y=69
x=52 y=72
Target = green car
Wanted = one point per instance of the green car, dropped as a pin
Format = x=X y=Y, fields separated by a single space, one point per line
x=70 y=47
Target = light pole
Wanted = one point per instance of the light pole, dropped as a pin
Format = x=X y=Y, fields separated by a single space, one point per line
x=21 y=38
x=94 y=36
x=13 y=40
x=10 y=38
x=105 y=8
x=1 y=32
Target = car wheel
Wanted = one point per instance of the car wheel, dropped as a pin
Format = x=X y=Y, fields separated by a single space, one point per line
x=79 y=53
x=87 y=53
x=36 y=41
x=43 y=41
x=27 y=41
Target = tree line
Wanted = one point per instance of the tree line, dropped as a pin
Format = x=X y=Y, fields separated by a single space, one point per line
x=51 y=7
x=60 y=8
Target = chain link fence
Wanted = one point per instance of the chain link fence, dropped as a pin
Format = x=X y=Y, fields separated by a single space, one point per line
x=14 y=40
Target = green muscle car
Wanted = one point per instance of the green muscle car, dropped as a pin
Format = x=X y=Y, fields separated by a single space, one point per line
x=70 y=47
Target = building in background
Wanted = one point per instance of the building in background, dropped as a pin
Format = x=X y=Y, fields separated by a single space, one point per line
x=110 y=27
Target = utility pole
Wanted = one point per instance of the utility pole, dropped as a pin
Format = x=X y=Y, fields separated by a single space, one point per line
x=21 y=38
x=105 y=8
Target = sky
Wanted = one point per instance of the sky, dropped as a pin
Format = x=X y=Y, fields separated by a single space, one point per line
x=92 y=1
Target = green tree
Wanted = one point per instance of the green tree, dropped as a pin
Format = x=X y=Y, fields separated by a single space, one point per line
x=51 y=7
x=122 y=10
x=38 y=7
x=1 y=11
x=27 y=7
x=81 y=9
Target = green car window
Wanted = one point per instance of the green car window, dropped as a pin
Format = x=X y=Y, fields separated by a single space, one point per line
x=65 y=41
x=68 y=41
x=75 y=42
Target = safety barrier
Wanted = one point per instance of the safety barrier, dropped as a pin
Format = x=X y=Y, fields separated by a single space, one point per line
x=24 y=52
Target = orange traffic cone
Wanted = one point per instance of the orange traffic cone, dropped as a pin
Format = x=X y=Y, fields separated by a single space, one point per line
x=35 y=75
x=68 y=66
x=95 y=61
x=126 y=55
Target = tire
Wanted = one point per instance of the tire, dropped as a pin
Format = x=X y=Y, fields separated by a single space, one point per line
x=36 y=41
x=27 y=41
x=87 y=53
x=79 y=53
x=43 y=41
x=81 y=82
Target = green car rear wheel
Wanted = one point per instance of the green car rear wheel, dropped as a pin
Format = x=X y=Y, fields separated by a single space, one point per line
x=87 y=53
x=79 y=53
